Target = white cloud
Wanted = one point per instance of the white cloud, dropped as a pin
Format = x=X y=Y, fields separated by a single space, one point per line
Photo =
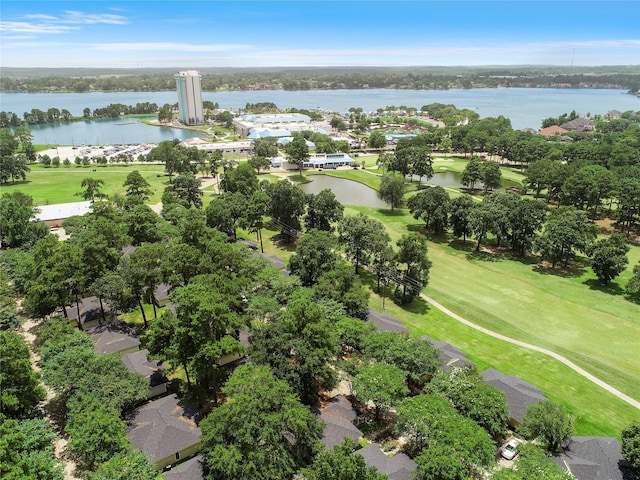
x=34 y=28
x=72 y=16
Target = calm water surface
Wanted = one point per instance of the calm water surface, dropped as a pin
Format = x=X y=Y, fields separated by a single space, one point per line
x=347 y=192
x=525 y=107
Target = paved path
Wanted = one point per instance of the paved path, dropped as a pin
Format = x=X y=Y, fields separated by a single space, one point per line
x=554 y=355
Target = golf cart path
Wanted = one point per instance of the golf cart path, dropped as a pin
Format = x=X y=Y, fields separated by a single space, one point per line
x=519 y=343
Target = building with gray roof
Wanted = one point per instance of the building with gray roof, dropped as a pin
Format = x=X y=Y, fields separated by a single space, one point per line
x=519 y=393
x=138 y=362
x=337 y=417
x=385 y=322
x=595 y=458
x=192 y=469
x=450 y=356
x=115 y=337
x=397 y=467
x=166 y=430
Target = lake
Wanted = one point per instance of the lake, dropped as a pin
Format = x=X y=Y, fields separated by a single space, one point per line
x=525 y=107
x=347 y=192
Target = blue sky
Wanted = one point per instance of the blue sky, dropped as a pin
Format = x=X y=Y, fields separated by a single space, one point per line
x=198 y=34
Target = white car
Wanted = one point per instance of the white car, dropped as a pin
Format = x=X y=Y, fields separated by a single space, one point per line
x=509 y=451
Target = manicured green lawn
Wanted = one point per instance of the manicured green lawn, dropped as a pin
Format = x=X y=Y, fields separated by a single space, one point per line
x=59 y=185
x=567 y=312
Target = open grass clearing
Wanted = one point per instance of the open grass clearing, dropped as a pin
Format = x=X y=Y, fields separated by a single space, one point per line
x=60 y=184
x=570 y=313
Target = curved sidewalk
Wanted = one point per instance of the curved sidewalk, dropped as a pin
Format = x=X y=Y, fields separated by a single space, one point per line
x=519 y=343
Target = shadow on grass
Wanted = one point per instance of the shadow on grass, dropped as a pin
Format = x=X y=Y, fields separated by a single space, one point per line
x=573 y=269
x=397 y=212
x=283 y=242
x=611 y=288
x=417 y=306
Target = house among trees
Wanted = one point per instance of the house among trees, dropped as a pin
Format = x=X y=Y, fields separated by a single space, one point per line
x=161 y=294
x=385 y=322
x=114 y=338
x=450 y=356
x=166 y=430
x=519 y=393
x=90 y=315
x=189 y=470
x=138 y=362
x=552 y=130
x=579 y=124
x=594 y=458
x=338 y=417
x=397 y=467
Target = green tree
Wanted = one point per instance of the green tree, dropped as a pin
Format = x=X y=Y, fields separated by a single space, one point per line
x=185 y=191
x=473 y=398
x=392 y=190
x=215 y=159
x=415 y=276
x=360 y=234
x=262 y=431
x=262 y=151
x=26 y=450
x=417 y=358
x=21 y=390
x=92 y=187
x=340 y=463
x=342 y=285
x=630 y=436
x=536 y=176
x=609 y=257
x=377 y=140
x=525 y=218
x=491 y=175
x=323 y=210
x=143 y=224
x=382 y=384
x=297 y=152
x=314 y=256
x=472 y=172
x=96 y=432
x=253 y=219
x=633 y=285
x=298 y=346
x=242 y=179
x=460 y=215
x=286 y=206
x=137 y=186
x=567 y=230
x=432 y=206
x=131 y=464
x=17 y=228
x=549 y=422
x=533 y=463
x=226 y=211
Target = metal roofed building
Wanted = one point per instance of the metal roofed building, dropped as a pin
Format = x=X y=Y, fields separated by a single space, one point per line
x=293 y=122
x=53 y=215
x=190 y=97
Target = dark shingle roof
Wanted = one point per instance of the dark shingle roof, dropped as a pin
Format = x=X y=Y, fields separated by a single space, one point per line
x=385 y=322
x=594 y=458
x=398 y=467
x=137 y=362
x=161 y=293
x=337 y=417
x=113 y=337
x=277 y=262
x=163 y=427
x=519 y=393
x=451 y=357
x=89 y=310
x=189 y=470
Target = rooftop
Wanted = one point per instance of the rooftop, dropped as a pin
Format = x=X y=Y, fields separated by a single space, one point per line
x=385 y=322
x=164 y=426
x=398 y=467
x=113 y=338
x=519 y=393
x=61 y=211
x=594 y=458
x=138 y=362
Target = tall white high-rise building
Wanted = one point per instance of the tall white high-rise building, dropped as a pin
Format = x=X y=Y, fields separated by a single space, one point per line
x=190 y=97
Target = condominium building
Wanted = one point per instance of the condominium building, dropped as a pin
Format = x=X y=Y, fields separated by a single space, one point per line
x=190 y=97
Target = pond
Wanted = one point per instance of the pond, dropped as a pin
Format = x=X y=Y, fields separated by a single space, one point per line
x=347 y=192
x=452 y=179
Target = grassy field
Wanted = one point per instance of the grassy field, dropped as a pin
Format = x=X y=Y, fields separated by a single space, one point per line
x=59 y=185
x=567 y=312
